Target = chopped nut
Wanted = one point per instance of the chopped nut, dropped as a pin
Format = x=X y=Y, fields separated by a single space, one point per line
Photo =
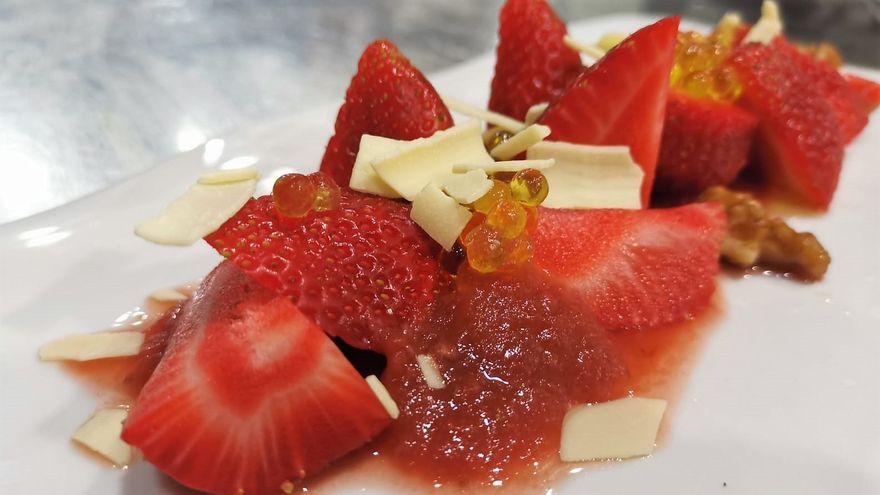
x=754 y=237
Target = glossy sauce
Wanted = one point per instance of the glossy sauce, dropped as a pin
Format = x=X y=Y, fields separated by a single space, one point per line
x=652 y=363
x=657 y=362
x=117 y=381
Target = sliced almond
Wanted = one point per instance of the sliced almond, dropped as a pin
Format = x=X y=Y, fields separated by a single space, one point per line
x=101 y=434
x=618 y=429
x=90 y=346
x=520 y=142
x=383 y=396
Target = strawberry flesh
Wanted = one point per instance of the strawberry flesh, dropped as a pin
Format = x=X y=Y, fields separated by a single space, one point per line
x=364 y=271
x=799 y=143
x=621 y=99
x=517 y=351
x=533 y=64
x=705 y=143
x=387 y=97
x=249 y=394
x=846 y=105
x=868 y=91
x=636 y=269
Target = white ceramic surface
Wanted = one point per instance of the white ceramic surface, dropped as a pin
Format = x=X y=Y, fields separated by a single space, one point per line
x=785 y=397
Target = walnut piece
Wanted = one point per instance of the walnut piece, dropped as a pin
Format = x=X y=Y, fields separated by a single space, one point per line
x=756 y=238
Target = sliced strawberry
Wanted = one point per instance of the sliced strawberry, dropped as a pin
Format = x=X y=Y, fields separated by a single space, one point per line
x=533 y=64
x=705 y=143
x=867 y=90
x=636 y=269
x=844 y=100
x=387 y=97
x=621 y=99
x=250 y=393
x=799 y=144
x=155 y=342
x=364 y=271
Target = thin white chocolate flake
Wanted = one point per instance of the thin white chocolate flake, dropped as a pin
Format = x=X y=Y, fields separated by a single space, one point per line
x=499 y=120
x=383 y=396
x=91 y=346
x=429 y=370
x=101 y=434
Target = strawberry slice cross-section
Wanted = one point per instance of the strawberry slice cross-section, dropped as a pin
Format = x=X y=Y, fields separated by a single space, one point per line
x=636 y=269
x=621 y=99
x=387 y=97
x=250 y=394
x=364 y=271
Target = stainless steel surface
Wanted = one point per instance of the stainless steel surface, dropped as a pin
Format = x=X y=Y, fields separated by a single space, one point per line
x=93 y=92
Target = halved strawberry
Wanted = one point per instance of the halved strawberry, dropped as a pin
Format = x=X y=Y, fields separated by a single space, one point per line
x=844 y=100
x=250 y=393
x=799 y=142
x=364 y=271
x=867 y=90
x=532 y=64
x=636 y=269
x=155 y=342
x=621 y=99
x=387 y=97
x=705 y=143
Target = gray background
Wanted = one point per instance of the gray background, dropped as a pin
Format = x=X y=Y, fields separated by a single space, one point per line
x=92 y=92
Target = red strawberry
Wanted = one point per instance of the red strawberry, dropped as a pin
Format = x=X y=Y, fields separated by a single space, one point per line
x=844 y=100
x=636 y=269
x=799 y=143
x=250 y=393
x=387 y=97
x=155 y=342
x=621 y=99
x=867 y=90
x=533 y=65
x=705 y=143
x=364 y=271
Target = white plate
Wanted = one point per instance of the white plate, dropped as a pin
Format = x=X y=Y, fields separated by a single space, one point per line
x=785 y=397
